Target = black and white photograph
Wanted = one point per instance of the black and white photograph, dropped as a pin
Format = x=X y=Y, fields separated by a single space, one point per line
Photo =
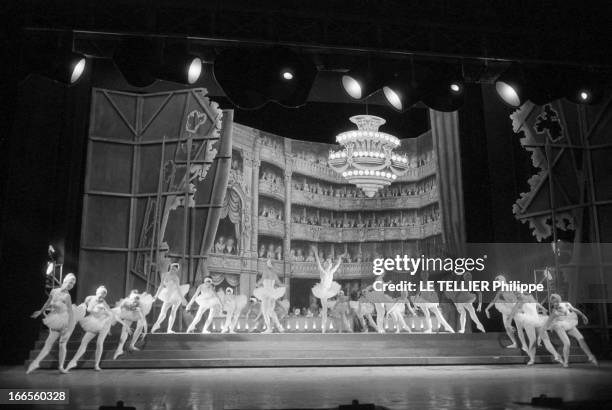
x=352 y=205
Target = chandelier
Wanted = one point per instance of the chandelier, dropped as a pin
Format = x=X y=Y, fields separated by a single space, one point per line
x=367 y=159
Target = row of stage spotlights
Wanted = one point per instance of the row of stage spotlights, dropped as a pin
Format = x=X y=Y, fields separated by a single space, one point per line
x=251 y=78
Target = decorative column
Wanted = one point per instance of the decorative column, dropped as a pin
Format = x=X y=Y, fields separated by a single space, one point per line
x=287 y=238
x=255 y=191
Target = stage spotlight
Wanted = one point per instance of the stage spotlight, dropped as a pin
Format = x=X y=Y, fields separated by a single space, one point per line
x=250 y=78
x=584 y=88
x=510 y=86
x=362 y=81
x=179 y=66
x=65 y=67
x=402 y=92
x=135 y=58
x=456 y=88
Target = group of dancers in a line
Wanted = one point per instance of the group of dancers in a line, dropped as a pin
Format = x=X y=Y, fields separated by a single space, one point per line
x=96 y=317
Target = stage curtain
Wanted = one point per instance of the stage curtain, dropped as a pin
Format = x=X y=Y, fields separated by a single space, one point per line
x=218 y=278
x=445 y=135
x=232 y=207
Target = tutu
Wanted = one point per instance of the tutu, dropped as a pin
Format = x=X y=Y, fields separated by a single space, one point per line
x=362 y=308
x=146 y=302
x=95 y=324
x=207 y=300
x=374 y=296
x=505 y=308
x=325 y=293
x=173 y=297
x=528 y=316
x=268 y=290
x=426 y=296
x=59 y=320
x=461 y=297
x=567 y=322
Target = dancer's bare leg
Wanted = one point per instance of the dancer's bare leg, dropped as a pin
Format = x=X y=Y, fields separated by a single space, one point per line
x=575 y=333
x=63 y=342
x=196 y=319
x=370 y=320
x=509 y=331
x=566 y=344
x=161 y=317
x=521 y=335
x=347 y=324
x=428 y=324
x=49 y=342
x=531 y=336
x=209 y=320
x=323 y=315
x=136 y=335
x=462 y=317
x=100 y=348
x=122 y=339
x=470 y=308
x=549 y=346
x=380 y=317
x=172 y=317
x=441 y=320
x=82 y=347
x=276 y=322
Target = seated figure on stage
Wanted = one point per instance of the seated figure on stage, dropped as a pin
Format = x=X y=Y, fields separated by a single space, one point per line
x=207 y=299
x=172 y=294
x=134 y=308
x=327 y=287
x=267 y=292
x=60 y=316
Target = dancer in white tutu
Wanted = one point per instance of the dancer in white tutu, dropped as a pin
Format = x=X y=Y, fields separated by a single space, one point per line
x=233 y=306
x=97 y=322
x=364 y=311
x=268 y=293
x=60 y=316
x=326 y=288
x=428 y=302
x=463 y=301
x=530 y=316
x=504 y=302
x=134 y=308
x=207 y=299
x=341 y=311
x=564 y=320
x=172 y=294
x=381 y=301
x=396 y=311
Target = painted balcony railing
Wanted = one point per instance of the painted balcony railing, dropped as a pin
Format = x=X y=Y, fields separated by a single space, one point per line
x=272 y=189
x=271 y=226
x=317 y=233
x=299 y=197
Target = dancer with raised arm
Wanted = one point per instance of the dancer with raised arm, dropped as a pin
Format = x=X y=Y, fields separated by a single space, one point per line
x=172 y=294
x=97 y=322
x=60 y=316
x=504 y=302
x=563 y=320
x=463 y=301
x=530 y=316
x=428 y=302
x=268 y=293
x=134 y=308
x=207 y=299
x=326 y=288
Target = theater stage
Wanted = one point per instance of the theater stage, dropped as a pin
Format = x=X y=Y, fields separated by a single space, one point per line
x=421 y=387
x=306 y=349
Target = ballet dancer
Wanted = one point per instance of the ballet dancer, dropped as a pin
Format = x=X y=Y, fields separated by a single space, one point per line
x=363 y=310
x=134 y=308
x=172 y=294
x=463 y=301
x=97 y=322
x=526 y=313
x=233 y=306
x=381 y=301
x=60 y=316
x=563 y=320
x=207 y=299
x=254 y=308
x=340 y=311
x=396 y=312
x=428 y=302
x=326 y=288
x=504 y=303
x=268 y=293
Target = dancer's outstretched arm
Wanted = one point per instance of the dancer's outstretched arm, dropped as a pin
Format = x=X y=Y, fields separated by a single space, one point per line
x=42 y=309
x=491 y=303
x=195 y=294
x=479 y=308
x=316 y=253
x=70 y=312
x=335 y=268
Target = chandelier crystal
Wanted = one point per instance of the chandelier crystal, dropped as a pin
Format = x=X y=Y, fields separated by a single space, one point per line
x=366 y=158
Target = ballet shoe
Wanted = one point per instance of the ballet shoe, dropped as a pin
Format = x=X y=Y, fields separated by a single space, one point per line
x=71 y=365
x=117 y=354
x=427 y=331
x=154 y=329
x=205 y=331
x=170 y=332
x=512 y=346
x=189 y=330
x=481 y=328
x=267 y=331
x=63 y=370
x=134 y=348
x=530 y=362
x=97 y=368
x=558 y=359
x=594 y=361
x=33 y=366
x=565 y=364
